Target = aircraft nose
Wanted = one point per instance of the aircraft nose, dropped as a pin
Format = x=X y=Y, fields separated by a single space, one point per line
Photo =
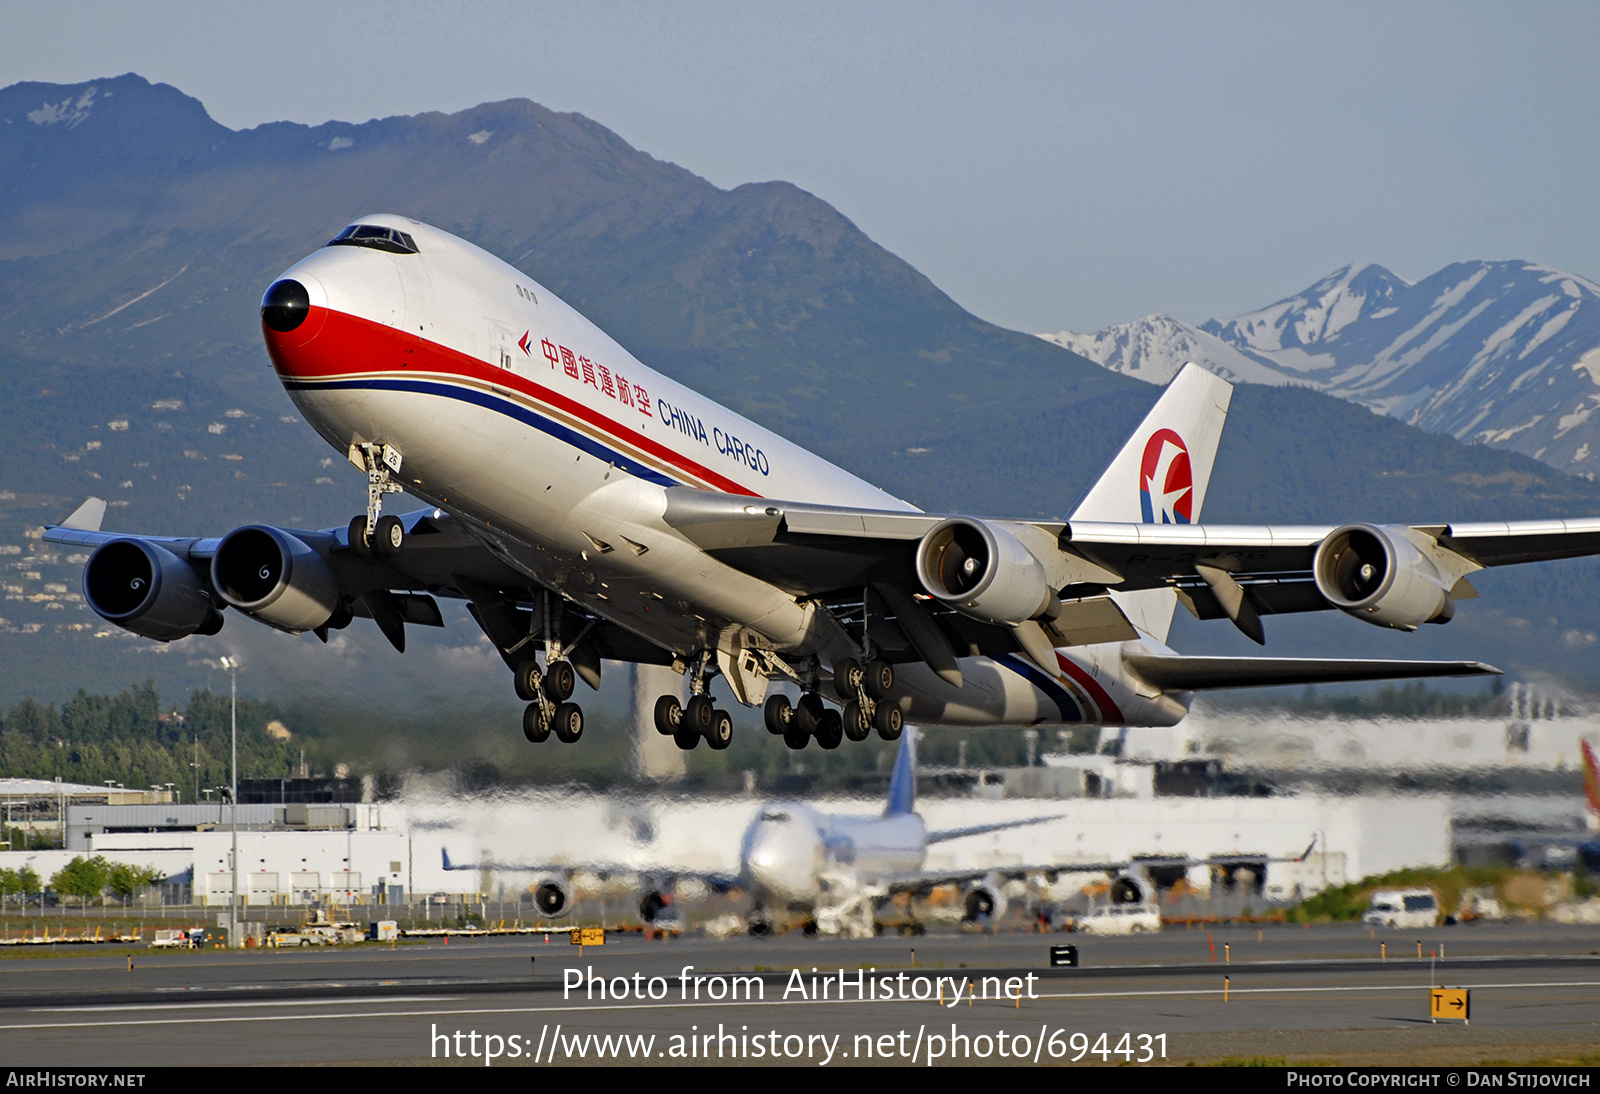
x=285 y=306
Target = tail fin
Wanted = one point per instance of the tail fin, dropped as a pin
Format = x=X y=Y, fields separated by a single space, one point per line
x=1591 y=784
x=903 y=782
x=1161 y=475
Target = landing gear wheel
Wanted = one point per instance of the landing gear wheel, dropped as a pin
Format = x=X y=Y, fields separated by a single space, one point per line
x=778 y=714
x=669 y=715
x=795 y=737
x=358 y=537
x=809 y=713
x=720 y=735
x=559 y=680
x=568 y=723
x=889 y=721
x=847 y=677
x=830 y=730
x=388 y=537
x=879 y=680
x=856 y=724
x=525 y=678
x=685 y=737
x=697 y=714
x=534 y=727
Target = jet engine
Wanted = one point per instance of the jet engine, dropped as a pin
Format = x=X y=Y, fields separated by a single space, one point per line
x=145 y=588
x=655 y=904
x=275 y=577
x=1379 y=576
x=982 y=570
x=984 y=903
x=553 y=898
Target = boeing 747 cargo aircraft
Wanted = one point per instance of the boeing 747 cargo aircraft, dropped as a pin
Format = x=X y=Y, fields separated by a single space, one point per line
x=588 y=508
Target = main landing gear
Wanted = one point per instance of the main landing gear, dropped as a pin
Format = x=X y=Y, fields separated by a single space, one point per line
x=547 y=694
x=867 y=707
x=687 y=723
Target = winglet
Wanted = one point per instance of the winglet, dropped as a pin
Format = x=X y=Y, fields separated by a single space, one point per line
x=445 y=853
x=903 y=782
x=87 y=517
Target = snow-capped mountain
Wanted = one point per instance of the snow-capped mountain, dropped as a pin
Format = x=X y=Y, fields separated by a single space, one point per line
x=1497 y=353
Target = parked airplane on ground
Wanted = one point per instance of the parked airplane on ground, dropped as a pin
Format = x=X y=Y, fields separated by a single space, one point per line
x=588 y=508
x=834 y=870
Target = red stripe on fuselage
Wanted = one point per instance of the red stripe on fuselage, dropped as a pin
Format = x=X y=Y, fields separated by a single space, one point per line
x=1109 y=712
x=348 y=345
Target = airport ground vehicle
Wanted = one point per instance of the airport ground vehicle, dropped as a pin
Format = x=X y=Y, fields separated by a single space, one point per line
x=1119 y=919
x=1405 y=908
x=590 y=509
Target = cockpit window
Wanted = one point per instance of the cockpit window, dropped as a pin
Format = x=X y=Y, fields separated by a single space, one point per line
x=776 y=818
x=376 y=237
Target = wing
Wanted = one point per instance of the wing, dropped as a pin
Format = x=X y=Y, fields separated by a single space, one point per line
x=297 y=580
x=883 y=567
x=719 y=882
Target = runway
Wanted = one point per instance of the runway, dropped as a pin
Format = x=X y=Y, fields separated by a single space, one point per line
x=1329 y=995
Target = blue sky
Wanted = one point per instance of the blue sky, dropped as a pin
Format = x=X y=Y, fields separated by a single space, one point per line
x=1049 y=165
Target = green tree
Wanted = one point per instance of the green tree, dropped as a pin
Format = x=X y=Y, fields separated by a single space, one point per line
x=127 y=881
x=82 y=877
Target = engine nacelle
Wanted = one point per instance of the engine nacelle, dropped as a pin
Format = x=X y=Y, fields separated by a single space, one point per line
x=145 y=588
x=982 y=570
x=1129 y=889
x=553 y=898
x=275 y=577
x=655 y=904
x=1379 y=576
x=984 y=903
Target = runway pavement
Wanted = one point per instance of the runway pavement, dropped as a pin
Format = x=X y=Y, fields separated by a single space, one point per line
x=1326 y=994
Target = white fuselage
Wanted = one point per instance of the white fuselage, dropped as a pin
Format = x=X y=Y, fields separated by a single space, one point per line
x=793 y=855
x=517 y=414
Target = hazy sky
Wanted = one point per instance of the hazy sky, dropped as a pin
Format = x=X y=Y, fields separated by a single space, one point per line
x=1050 y=166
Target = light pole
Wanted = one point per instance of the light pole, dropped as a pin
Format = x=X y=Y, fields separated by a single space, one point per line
x=232 y=665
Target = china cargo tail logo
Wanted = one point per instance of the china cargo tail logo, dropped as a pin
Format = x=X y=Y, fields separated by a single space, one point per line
x=1591 y=779
x=1166 y=484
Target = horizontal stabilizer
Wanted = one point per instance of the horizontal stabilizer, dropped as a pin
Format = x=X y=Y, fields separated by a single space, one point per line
x=1203 y=673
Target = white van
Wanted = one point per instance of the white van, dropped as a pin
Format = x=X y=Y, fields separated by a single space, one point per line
x=1120 y=919
x=1405 y=908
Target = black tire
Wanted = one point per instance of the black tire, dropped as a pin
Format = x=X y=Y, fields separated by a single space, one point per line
x=559 y=680
x=778 y=714
x=890 y=722
x=358 y=536
x=720 y=735
x=568 y=723
x=534 y=727
x=525 y=679
x=795 y=737
x=830 y=730
x=669 y=715
x=809 y=713
x=698 y=712
x=856 y=725
x=389 y=537
x=686 y=738
x=847 y=677
x=879 y=680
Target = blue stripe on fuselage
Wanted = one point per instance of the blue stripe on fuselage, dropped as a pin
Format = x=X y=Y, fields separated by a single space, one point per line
x=581 y=441
x=1063 y=699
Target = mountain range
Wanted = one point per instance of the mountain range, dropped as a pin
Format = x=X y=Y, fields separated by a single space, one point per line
x=1503 y=354
x=137 y=234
